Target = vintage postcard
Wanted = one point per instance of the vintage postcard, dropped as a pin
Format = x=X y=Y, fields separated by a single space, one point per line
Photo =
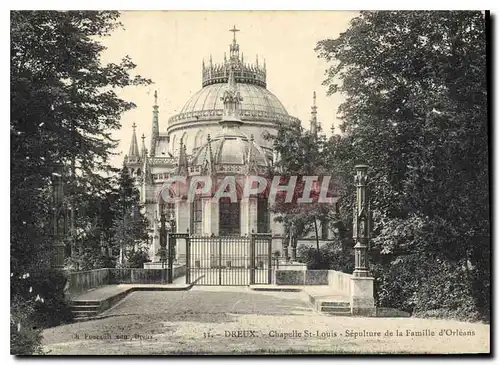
x=249 y=182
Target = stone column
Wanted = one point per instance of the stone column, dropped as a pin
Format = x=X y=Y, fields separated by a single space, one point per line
x=182 y=218
x=248 y=213
x=362 y=301
x=210 y=220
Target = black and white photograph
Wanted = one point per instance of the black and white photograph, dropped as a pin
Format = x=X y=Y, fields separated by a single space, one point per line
x=250 y=182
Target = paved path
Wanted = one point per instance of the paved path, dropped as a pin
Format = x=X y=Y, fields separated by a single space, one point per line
x=238 y=320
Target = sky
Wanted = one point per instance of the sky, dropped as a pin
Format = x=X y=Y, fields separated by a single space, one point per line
x=169 y=46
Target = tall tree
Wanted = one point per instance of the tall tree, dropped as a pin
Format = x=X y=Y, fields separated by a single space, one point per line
x=416 y=112
x=130 y=226
x=302 y=154
x=63 y=104
x=63 y=110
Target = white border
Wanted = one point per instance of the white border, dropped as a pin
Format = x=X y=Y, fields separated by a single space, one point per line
x=195 y=5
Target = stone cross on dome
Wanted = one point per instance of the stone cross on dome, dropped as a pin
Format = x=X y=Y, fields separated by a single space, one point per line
x=234 y=49
x=234 y=30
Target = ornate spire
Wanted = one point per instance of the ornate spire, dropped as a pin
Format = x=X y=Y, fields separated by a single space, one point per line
x=314 y=116
x=134 y=148
x=144 y=152
x=232 y=103
x=251 y=161
x=148 y=177
x=208 y=167
x=182 y=166
x=155 y=130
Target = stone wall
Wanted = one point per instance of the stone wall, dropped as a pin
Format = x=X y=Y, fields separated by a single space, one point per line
x=338 y=281
x=83 y=281
x=301 y=277
x=138 y=276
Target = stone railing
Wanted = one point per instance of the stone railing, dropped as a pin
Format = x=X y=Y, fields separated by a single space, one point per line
x=340 y=282
x=83 y=281
x=290 y=275
x=301 y=277
x=199 y=115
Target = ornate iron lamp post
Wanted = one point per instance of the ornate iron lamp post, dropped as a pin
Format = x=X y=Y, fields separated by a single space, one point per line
x=361 y=229
x=163 y=236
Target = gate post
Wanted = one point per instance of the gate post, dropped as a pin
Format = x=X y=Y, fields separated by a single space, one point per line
x=252 y=259
x=220 y=261
x=170 y=268
x=163 y=241
x=188 y=258
x=362 y=300
x=269 y=260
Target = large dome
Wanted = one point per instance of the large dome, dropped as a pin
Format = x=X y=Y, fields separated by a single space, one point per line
x=258 y=105
x=255 y=99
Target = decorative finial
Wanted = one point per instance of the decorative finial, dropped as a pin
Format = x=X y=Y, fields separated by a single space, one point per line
x=143 y=138
x=314 y=118
x=208 y=138
x=242 y=58
x=234 y=30
x=251 y=137
x=257 y=60
x=134 y=126
x=156 y=97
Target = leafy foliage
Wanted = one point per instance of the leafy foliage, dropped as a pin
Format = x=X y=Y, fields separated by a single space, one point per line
x=415 y=112
x=63 y=110
x=301 y=154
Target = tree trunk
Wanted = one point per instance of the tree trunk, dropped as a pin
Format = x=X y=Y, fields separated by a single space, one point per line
x=316 y=232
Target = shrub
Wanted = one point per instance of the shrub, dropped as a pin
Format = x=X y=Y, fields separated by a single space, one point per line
x=136 y=259
x=55 y=308
x=37 y=302
x=331 y=256
x=25 y=335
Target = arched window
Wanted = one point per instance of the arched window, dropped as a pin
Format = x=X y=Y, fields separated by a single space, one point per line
x=263 y=224
x=172 y=144
x=198 y=140
x=184 y=139
x=196 y=216
x=229 y=217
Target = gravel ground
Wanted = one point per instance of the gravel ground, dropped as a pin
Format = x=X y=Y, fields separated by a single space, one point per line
x=223 y=320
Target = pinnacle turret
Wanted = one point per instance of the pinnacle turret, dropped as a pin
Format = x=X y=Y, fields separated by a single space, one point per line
x=134 y=148
x=143 y=147
x=314 y=116
x=232 y=102
x=216 y=73
x=155 y=129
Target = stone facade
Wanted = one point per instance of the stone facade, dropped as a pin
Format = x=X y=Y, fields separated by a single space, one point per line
x=221 y=131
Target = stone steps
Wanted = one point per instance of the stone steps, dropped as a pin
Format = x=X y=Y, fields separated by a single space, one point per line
x=332 y=308
x=85 y=310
